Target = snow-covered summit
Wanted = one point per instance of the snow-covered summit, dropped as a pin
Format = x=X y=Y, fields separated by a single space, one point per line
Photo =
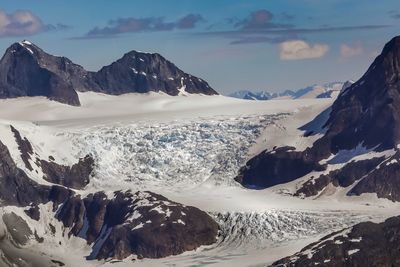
x=325 y=90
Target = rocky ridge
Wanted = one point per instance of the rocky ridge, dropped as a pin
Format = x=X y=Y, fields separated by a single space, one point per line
x=27 y=70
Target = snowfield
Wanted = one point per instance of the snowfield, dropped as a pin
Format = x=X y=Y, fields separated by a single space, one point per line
x=187 y=148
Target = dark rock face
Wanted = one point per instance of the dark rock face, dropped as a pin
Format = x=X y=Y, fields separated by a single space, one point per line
x=366 y=244
x=383 y=180
x=13 y=221
x=143 y=223
x=344 y=176
x=369 y=110
x=24 y=147
x=366 y=112
x=286 y=165
x=139 y=72
x=26 y=70
x=77 y=176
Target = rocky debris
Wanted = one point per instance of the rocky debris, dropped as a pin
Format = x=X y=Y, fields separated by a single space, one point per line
x=278 y=166
x=24 y=147
x=76 y=176
x=26 y=70
x=366 y=112
x=142 y=223
x=383 y=180
x=33 y=212
x=345 y=176
x=365 y=244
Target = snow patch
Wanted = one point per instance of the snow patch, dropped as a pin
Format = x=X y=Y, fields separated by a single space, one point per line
x=140 y=225
x=352 y=251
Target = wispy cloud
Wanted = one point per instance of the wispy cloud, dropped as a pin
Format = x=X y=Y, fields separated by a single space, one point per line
x=189 y=21
x=263 y=39
x=259 y=26
x=262 y=26
x=148 y=24
x=299 y=49
x=24 y=22
x=348 y=51
x=259 y=20
x=395 y=14
x=283 y=34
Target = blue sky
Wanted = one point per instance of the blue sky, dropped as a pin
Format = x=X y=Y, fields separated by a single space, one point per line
x=258 y=45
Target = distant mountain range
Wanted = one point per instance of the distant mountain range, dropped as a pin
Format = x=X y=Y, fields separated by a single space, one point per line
x=326 y=90
x=27 y=70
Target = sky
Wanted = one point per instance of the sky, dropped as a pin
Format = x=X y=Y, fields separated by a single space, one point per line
x=235 y=45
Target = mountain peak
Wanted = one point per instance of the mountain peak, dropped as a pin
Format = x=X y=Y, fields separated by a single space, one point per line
x=27 y=45
x=394 y=43
x=142 y=72
x=27 y=70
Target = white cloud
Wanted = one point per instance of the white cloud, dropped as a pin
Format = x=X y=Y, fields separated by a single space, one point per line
x=347 y=51
x=299 y=49
x=20 y=23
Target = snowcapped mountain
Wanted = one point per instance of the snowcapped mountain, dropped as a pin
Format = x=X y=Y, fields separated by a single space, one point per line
x=326 y=90
x=26 y=70
x=248 y=95
x=164 y=180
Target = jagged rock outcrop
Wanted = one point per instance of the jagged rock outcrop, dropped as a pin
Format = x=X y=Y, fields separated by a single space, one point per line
x=25 y=147
x=366 y=114
x=76 y=176
x=26 y=70
x=142 y=223
x=366 y=244
x=345 y=176
x=383 y=180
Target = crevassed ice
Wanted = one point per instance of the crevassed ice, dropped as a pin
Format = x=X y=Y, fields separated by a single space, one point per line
x=174 y=155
